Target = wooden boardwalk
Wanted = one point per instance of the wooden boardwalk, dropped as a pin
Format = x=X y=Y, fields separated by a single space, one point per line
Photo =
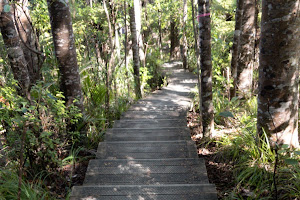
x=148 y=154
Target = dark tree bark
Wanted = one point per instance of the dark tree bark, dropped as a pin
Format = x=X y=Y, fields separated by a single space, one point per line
x=206 y=68
x=14 y=50
x=184 y=40
x=236 y=45
x=174 y=38
x=65 y=51
x=246 y=49
x=135 y=50
x=279 y=71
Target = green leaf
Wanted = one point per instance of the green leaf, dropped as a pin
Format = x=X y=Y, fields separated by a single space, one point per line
x=234 y=99
x=285 y=146
x=59 y=95
x=51 y=96
x=297 y=153
x=24 y=103
x=6 y=8
x=282 y=151
x=293 y=162
x=226 y=114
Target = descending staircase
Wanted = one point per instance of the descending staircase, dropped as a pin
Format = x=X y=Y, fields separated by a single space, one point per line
x=149 y=154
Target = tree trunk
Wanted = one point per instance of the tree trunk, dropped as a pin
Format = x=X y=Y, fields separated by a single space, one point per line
x=14 y=50
x=65 y=51
x=135 y=51
x=2 y=155
x=138 y=21
x=28 y=38
x=147 y=31
x=110 y=64
x=125 y=49
x=206 y=68
x=107 y=93
x=236 y=45
x=174 y=38
x=279 y=72
x=89 y=3
x=247 y=44
x=197 y=55
x=184 y=54
x=160 y=35
x=256 y=46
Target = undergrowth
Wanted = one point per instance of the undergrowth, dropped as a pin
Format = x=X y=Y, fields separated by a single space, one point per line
x=260 y=171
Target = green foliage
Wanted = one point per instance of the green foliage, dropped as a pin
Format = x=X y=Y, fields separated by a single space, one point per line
x=254 y=165
x=222 y=37
x=254 y=158
x=9 y=181
x=47 y=122
x=224 y=107
x=151 y=75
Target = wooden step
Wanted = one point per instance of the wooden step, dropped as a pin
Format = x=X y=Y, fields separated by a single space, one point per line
x=154 y=134
x=149 y=123
x=147 y=150
x=145 y=192
x=151 y=171
x=140 y=107
x=149 y=153
x=154 y=115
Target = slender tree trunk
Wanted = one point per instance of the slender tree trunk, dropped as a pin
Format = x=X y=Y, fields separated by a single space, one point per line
x=98 y=52
x=110 y=64
x=197 y=56
x=65 y=51
x=138 y=22
x=14 y=50
x=236 y=45
x=279 y=71
x=247 y=44
x=117 y=43
x=174 y=38
x=2 y=155
x=28 y=38
x=110 y=30
x=125 y=49
x=206 y=68
x=160 y=34
x=107 y=92
x=184 y=55
x=256 y=46
x=135 y=50
x=89 y=3
x=147 y=31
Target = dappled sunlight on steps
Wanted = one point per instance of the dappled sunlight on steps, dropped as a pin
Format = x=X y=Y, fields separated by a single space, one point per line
x=149 y=154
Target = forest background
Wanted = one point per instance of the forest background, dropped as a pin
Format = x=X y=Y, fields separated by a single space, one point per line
x=57 y=101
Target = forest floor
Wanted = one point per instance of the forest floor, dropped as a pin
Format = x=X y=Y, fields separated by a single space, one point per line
x=219 y=171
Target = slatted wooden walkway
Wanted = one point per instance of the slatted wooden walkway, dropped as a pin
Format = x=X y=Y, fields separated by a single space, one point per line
x=149 y=154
